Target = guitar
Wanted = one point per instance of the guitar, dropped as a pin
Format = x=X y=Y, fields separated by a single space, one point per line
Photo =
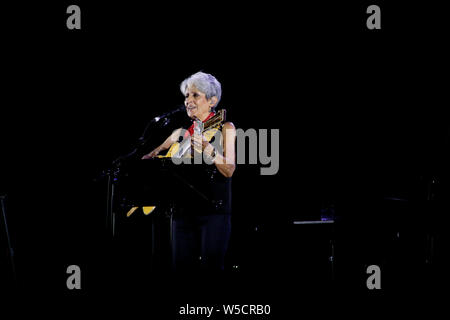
x=208 y=129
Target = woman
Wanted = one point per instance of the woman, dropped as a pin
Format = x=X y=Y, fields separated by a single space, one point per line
x=201 y=231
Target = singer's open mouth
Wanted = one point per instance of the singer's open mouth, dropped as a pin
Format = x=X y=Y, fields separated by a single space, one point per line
x=190 y=108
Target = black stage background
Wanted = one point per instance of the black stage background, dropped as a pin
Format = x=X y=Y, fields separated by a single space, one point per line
x=360 y=119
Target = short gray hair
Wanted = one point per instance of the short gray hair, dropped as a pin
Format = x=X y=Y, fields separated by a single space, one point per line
x=205 y=83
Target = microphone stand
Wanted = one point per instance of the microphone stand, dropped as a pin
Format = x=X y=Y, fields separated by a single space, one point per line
x=163 y=119
x=112 y=174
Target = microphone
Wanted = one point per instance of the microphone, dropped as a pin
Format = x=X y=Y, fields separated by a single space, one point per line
x=142 y=139
x=165 y=115
x=156 y=119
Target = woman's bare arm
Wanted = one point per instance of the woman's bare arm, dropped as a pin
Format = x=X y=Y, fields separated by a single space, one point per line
x=165 y=145
x=226 y=163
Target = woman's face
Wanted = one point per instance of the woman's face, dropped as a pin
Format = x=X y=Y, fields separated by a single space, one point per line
x=197 y=105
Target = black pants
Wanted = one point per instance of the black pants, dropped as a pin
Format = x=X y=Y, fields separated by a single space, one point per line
x=200 y=242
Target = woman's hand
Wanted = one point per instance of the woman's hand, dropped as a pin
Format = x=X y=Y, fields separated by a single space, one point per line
x=152 y=154
x=201 y=144
x=165 y=145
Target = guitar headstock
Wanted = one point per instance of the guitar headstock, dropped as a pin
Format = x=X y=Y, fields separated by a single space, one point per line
x=216 y=121
x=199 y=125
x=209 y=127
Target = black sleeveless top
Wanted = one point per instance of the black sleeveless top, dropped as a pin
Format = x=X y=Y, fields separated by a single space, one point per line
x=210 y=191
